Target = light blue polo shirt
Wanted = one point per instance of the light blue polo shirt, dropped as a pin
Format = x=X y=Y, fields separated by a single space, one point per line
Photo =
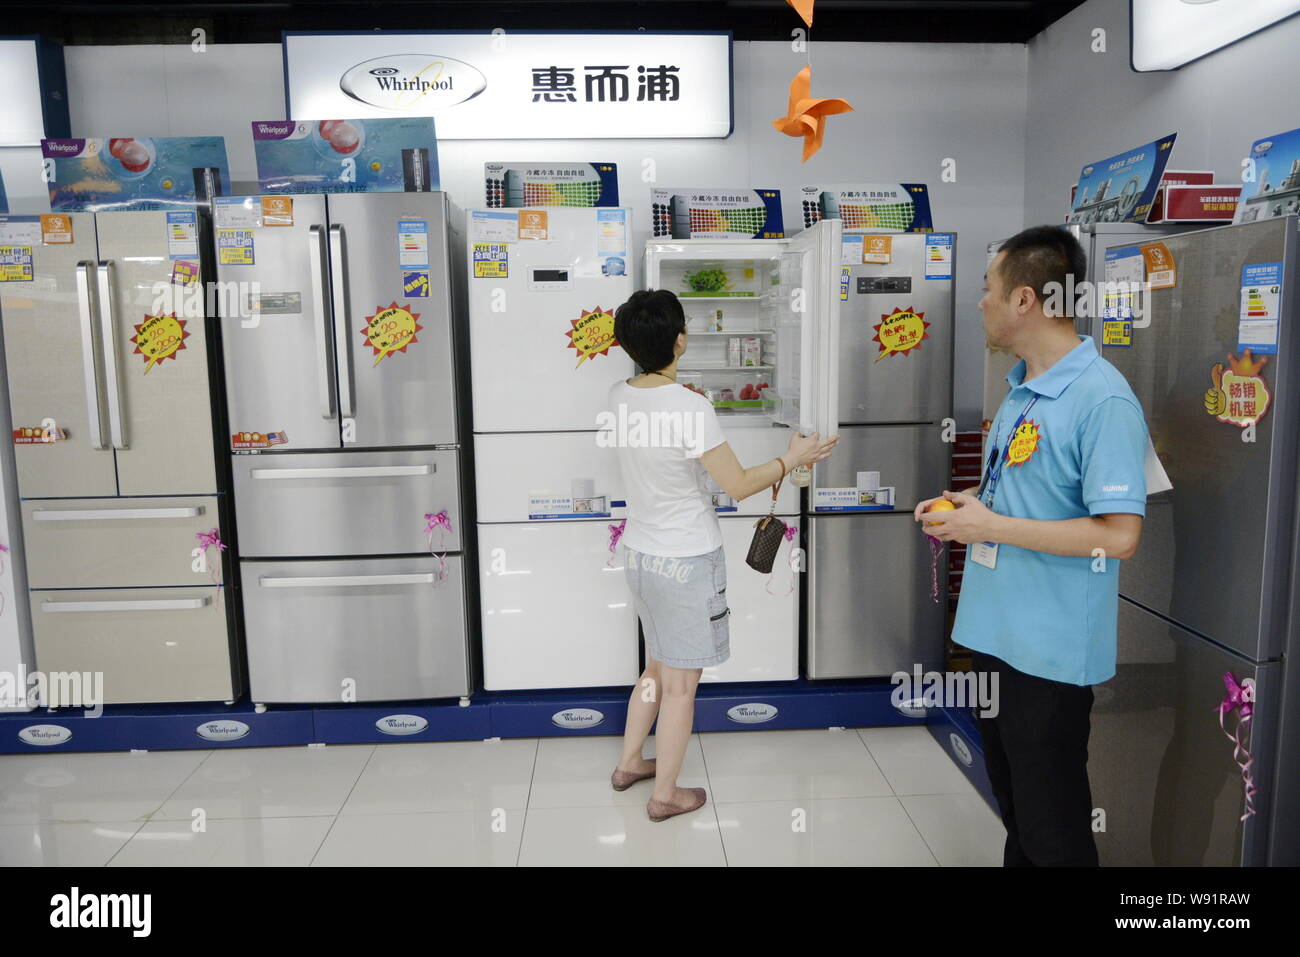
x=1052 y=615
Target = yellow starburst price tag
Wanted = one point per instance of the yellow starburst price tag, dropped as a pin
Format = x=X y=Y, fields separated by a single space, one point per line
x=159 y=338
x=592 y=334
x=900 y=332
x=391 y=329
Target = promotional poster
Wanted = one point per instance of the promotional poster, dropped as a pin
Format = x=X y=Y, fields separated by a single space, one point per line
x=716 y=213
x=518 y=185
x=124 y=172
x=1275 y=189
x=1120 y=189
x=869 y=207
x=346 y=156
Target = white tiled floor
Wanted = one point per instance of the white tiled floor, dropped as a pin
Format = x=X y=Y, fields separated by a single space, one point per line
x=874 y=796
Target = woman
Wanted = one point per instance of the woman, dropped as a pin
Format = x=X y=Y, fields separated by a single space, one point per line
x=672 y=543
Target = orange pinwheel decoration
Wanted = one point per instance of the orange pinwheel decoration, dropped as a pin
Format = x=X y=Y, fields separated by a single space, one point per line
x=806 y=116
x=804 y=8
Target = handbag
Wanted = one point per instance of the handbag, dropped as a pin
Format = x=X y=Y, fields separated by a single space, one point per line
x=768 y=533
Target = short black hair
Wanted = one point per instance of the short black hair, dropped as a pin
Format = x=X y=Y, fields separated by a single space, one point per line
x=1039 y=256
x=647 y=326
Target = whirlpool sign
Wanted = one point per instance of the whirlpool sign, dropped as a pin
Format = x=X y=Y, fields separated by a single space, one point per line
x=518 y=86
x=408 y=81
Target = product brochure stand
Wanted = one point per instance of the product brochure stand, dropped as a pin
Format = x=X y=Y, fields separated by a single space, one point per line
x=723 y=707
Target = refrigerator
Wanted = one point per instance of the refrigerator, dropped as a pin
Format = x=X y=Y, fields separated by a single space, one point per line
x=1095 y=238
x=555 y=611
x=760 y=316
x=873 y=580
x=17 y=656
x=1214 y=587
x=111 y=366
x=343 y=384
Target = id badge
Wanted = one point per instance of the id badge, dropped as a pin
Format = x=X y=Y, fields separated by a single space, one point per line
x=984 y=553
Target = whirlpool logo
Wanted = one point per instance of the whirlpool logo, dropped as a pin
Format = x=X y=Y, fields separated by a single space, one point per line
x=408 y=81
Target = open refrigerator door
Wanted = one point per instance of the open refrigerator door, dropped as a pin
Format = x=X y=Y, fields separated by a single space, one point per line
x=757 y=312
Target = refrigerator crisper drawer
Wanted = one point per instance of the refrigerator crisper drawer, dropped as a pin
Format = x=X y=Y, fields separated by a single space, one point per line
x=153 y=645
x=558 y=474
x=555 y=614
x=345 y=503
x=376 y=630
x=764 y=619
x=119 y=542
x=870 y=607
x=1158 y=763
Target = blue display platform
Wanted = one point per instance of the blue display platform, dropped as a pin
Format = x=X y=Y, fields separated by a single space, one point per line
x=785 y=705
x=957 y=732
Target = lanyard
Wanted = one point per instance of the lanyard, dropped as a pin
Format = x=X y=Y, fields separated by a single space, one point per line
x=989 y=483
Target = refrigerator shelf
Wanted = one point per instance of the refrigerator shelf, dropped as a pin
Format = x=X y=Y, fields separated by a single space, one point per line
x=710 y=368
x=736 y=332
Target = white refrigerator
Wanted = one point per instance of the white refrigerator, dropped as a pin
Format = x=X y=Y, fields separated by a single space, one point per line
x=780 y=299
x=543 y=285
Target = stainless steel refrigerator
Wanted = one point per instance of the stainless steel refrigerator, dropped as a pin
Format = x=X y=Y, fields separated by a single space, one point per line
x=345 y=415
x=113 y=433
x=1212 y=589
x=1095 y=239
x=871 y=610
x=17 y=654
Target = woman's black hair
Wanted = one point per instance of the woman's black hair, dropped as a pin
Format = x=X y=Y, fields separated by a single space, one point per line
x=647 y=326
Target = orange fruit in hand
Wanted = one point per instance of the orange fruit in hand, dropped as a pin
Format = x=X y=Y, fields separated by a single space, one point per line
x=942 y=505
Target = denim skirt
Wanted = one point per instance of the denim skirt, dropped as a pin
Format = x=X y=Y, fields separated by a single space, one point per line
x=682 y=604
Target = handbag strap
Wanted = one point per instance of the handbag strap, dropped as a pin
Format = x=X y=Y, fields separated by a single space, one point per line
x=777 y=487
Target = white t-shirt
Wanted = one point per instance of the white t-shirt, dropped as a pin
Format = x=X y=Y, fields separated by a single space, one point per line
x=660 y=433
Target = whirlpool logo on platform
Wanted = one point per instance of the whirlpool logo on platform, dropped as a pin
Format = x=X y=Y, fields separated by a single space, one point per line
x=409 y=80
x=753 y=712
x=577 y=718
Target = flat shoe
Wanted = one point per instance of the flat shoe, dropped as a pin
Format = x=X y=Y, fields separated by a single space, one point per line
x=662 y=810
x=622 y=780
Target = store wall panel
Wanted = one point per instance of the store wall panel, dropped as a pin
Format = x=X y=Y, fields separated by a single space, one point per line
x=1086 y=106
x=916 y=105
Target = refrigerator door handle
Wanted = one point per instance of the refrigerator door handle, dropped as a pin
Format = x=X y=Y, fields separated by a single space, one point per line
x=160 y=604
x=89 y=364
x=342 y=320
x=346 y=471
x=109 y=514
x=346 y=581
x=324 y=334
x=112 y=372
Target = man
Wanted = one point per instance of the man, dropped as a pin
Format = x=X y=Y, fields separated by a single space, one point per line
x=1060 y=503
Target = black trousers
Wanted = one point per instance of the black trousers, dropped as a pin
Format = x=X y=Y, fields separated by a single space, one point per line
x=1036 y=752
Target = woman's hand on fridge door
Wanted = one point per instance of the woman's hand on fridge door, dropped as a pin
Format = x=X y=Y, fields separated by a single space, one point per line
x=808 y=449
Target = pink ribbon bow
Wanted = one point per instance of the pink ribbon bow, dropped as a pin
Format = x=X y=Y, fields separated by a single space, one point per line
x=1241 y=699
x=790 y=532
x=440 y=523
x=211 y=539
x=615 y=533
